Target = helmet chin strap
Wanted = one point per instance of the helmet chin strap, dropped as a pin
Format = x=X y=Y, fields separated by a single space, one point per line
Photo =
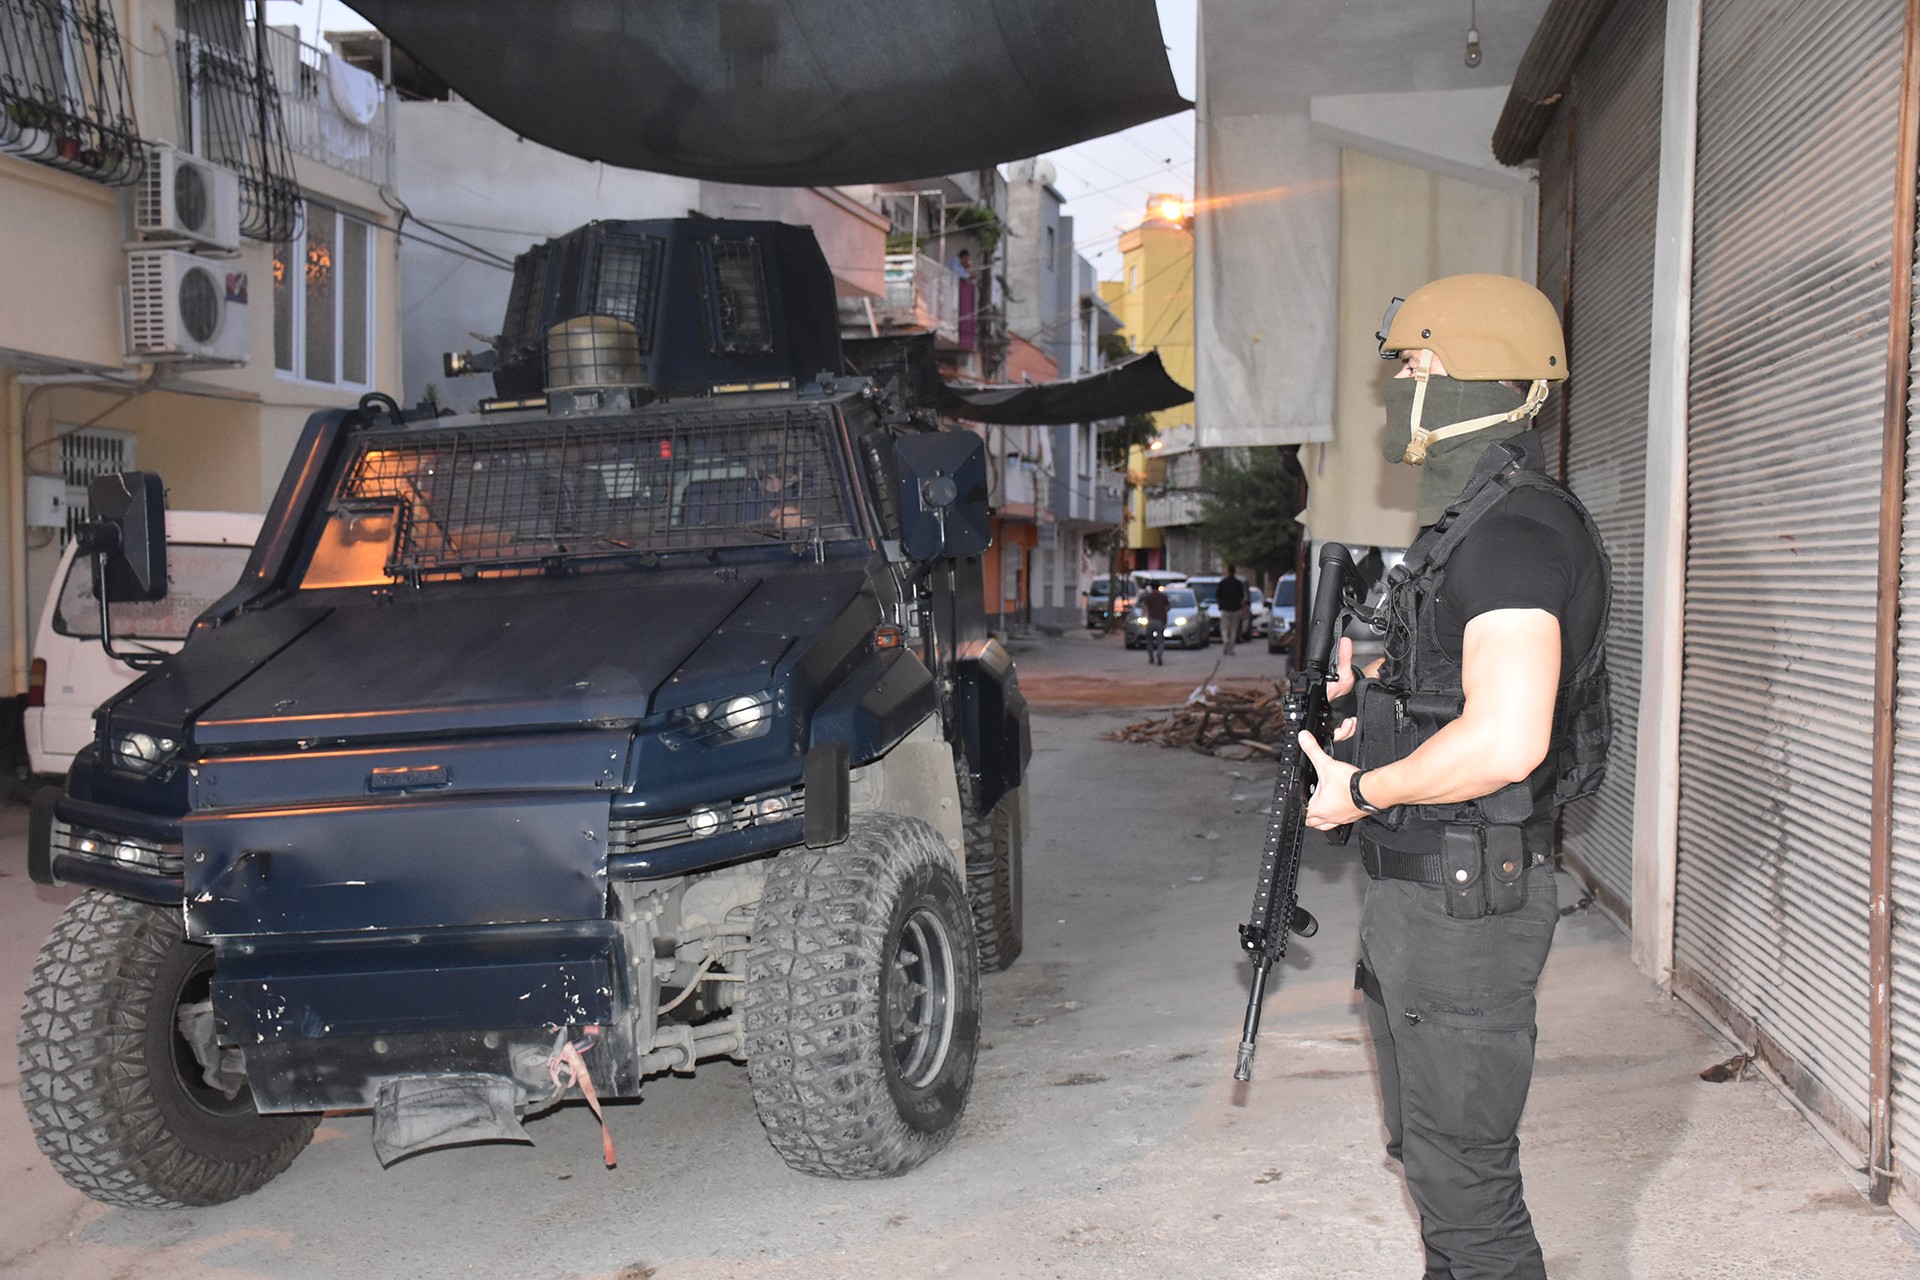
x=1421 y=438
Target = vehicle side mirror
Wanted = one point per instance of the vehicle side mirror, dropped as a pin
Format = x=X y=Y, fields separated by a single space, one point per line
x=943 y=494
x=128 y=535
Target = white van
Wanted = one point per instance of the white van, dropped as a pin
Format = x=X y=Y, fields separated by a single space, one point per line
x=72 y=674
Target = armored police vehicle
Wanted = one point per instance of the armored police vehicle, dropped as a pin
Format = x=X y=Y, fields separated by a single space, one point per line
x=644 y=718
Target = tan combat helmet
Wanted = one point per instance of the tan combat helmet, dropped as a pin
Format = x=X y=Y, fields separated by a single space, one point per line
x=1483 y=328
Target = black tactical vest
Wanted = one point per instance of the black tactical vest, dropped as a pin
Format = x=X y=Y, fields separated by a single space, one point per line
x=1419 y=687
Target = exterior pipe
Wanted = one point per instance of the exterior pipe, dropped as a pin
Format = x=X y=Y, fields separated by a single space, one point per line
x=1893 y=473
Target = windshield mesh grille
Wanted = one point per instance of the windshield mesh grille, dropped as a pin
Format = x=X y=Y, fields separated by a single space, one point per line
x=515 y=494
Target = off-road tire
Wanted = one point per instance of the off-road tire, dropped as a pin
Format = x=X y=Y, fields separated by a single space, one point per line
x=112 y=1089
x=862 y=1001
x=995 y=875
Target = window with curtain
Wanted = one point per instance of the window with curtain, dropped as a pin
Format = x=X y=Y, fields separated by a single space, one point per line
x=323 y=284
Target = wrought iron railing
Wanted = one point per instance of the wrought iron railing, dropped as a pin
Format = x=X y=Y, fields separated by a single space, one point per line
x=63 y=90
x=234 y=118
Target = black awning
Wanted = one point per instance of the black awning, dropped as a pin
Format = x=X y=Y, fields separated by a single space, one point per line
x=1139 y=385
x=786 y=93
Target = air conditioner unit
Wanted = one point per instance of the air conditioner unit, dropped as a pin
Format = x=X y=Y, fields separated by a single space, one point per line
x=183 y=197
x=184 y=305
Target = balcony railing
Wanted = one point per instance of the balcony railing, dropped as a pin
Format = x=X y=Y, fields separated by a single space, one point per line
x=335 y=113
x=922 y=294
x=63 y=91
x=1173 y=508
x=1109 y=493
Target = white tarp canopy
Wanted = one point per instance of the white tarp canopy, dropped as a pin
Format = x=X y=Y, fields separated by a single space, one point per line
x=1267 y=231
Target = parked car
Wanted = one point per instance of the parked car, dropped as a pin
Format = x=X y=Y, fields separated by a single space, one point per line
x=1099 y=596
x=1143 y=578
x=1281 y=616
x=1207 y=589
x=1186 y=622
x=71 y=672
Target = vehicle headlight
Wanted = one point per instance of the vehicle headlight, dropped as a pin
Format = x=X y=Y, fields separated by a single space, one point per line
x=143 y=752
x=128 y=851
x=705 y=821
x=728 y=719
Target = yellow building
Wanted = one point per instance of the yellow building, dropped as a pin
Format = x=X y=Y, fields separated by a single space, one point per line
x=195 y=256
x=1154 y=300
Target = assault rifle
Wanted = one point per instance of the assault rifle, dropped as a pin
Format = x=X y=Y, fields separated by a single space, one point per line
x=1277 y=912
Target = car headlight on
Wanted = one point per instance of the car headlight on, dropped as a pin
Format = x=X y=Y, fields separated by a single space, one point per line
x=736 y=719
x=144 y=752
x=135 y=852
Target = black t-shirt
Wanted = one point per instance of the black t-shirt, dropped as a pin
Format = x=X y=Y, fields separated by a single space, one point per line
x=1531 y=552
x=1231 y=594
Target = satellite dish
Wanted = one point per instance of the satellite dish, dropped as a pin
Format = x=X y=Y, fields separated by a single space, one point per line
x=1044 y=172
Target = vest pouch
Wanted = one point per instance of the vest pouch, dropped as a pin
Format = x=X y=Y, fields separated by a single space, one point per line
x=1483 y=870
x=1588 y=718
x=1462 y=870
x=1506 y=869
x=1386 y=735
x=1513 y=803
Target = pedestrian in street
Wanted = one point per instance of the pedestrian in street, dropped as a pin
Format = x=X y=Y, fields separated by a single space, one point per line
x=1231 y=596
x=1155 y=605
x=1488 y=713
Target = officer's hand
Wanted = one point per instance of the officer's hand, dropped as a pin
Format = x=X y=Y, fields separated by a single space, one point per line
x=1346 y=729
x=1332 y=803
x=1342 y=670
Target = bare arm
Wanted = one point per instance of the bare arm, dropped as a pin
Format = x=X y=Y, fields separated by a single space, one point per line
x=1510 y=674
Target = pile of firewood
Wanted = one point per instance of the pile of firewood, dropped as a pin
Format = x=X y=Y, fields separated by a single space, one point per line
x=1234 y=724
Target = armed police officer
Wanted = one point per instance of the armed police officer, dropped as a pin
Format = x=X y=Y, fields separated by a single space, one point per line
x=1487 y=713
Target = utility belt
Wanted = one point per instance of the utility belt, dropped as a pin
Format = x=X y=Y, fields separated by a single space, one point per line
x=1482 y=869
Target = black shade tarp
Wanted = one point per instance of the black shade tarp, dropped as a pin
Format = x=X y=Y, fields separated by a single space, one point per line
x=795 y=92
x=1139 y=385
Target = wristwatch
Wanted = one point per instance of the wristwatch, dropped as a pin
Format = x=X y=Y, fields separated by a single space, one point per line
x=1360 y=802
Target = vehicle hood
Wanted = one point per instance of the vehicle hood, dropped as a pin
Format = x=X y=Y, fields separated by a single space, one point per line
x=474 y=657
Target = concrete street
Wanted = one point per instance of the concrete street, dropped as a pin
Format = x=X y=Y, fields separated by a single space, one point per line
x=1106 y=1137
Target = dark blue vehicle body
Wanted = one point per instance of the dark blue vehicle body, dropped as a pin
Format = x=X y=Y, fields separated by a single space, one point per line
x=411 y=810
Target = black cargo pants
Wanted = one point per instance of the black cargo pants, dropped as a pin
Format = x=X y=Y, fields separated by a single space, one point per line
x=1451 y=1009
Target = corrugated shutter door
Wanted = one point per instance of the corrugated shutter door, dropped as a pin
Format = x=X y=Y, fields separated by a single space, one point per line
x=1798 y=115
x=1616 y=96
x=1906 y=815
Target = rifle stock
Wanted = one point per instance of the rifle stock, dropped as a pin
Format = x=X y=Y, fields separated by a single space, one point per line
x=1277 y=913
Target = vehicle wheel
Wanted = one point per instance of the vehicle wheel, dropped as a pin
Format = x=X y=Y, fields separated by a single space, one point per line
x=996 y=844
x=862 y=1001
x=114 y=1093
x=1130 y=644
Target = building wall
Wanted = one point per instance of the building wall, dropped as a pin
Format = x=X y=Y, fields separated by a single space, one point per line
x=1155 y=304
x=1032 y=253
x=219 y=437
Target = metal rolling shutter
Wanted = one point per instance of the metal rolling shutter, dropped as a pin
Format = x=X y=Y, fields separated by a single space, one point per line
x=1616 y=95
x=1798 y=112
